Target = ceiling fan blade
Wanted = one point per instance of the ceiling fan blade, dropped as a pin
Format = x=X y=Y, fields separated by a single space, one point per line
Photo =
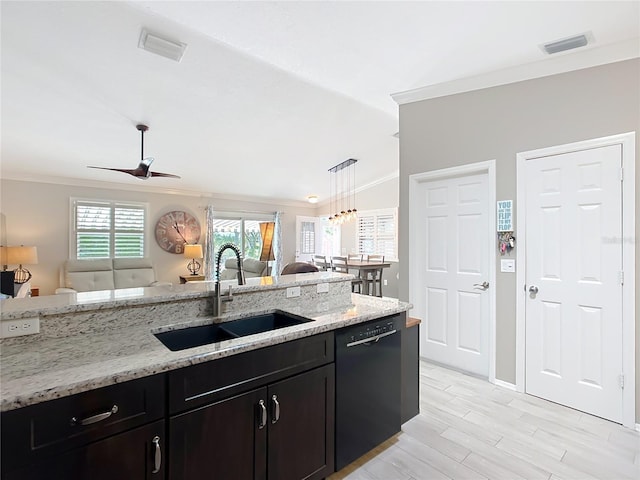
x=160 y=174
x=134 y=172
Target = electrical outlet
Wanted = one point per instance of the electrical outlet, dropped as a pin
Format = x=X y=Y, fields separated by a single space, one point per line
x=322 y=288
x=22 y=326
x=293 y=292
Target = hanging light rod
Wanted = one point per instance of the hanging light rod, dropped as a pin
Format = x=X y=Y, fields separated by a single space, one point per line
x=343 y=196
x=345 y=164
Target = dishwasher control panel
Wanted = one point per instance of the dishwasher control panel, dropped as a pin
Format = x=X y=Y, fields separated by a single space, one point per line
x=372 y=330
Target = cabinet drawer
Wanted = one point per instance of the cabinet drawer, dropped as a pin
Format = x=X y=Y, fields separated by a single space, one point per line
x=208 y=382
x=34 y=432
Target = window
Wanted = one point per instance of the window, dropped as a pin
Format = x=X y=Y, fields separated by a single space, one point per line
x=308 y=238
x=104 y=229
x=243 y=232
x=376 y=233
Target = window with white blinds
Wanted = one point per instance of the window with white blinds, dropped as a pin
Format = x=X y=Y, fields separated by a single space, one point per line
x=104 y=229
x=307 y=238
x=377 y=233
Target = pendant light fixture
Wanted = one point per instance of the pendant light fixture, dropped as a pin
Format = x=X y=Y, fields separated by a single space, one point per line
x=343 y=192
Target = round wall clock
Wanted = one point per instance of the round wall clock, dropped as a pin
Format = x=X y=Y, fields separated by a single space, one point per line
x=174 y=229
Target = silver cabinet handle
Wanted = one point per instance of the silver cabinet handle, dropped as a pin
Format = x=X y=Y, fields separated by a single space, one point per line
x=263 y=414
x=533 y=290
x=276 y=409
x=95 y=418
x=157 y=456
x=484 y=285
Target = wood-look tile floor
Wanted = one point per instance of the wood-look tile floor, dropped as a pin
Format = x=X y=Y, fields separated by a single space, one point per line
x=469 y=428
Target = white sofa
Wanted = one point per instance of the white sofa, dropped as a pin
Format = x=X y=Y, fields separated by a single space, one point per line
x=251 y=268
x=107 y=274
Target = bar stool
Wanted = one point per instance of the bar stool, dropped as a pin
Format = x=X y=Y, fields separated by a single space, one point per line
x=320 y=261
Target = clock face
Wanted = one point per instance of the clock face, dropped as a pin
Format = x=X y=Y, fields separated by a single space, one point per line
x=174 y=228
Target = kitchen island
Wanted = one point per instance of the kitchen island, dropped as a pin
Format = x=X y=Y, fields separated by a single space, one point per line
x=97 y=342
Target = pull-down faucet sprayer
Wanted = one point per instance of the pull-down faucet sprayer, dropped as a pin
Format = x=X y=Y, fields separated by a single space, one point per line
x=218 y=298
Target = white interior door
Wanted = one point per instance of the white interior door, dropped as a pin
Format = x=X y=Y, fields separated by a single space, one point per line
x=573 y=267
x=307 y=235
x=452 y=265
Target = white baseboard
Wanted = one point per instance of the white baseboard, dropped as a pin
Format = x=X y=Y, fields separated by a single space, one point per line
x=503 y=384
x=637 y=427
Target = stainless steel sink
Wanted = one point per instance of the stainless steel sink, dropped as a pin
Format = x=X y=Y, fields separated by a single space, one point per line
x=191 y=337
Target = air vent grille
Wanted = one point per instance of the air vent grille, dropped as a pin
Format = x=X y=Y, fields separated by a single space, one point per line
x=161 y=46
x=566 y=44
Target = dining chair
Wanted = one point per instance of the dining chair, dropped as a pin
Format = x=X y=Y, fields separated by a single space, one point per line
x=320 y=261
x=374 y=278
x=355 y=256
x=340 y=265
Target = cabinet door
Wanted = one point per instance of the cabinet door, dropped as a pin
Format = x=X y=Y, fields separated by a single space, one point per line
x=223 y=440
x=301 y=426
x=129 y=455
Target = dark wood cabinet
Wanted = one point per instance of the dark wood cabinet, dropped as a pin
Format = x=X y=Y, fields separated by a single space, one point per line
x=301 y=426
x=223 y=437
x=264 y=414
x=283 y=431
x=136 y=454
x=87 y=434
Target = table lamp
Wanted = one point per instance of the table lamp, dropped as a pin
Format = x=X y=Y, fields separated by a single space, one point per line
x=22 y=255
x=193 y=252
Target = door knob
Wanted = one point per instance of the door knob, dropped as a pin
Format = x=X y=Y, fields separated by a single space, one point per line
x=533 y=290
x=483 y=285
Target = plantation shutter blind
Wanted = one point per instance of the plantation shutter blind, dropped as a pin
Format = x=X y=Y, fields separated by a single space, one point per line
x=376 y=233
x=308 y=238
x=105 y=230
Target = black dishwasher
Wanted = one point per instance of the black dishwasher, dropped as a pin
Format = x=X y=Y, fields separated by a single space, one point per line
x=367 y=387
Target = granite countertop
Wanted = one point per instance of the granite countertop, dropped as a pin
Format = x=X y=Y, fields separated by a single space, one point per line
x=14 y=308
x=57 y=367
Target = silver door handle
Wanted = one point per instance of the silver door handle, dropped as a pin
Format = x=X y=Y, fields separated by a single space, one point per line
x=157 y=457
x=372 y=340
x=95 y=418
x=276 y=409
x=483 y=285
x=263 y=414
x=533 y=290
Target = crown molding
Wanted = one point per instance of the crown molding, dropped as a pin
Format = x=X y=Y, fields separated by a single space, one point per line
x=76 y=182
x=561 y=63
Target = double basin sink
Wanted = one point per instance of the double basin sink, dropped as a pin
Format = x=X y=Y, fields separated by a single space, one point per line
x=191 y=337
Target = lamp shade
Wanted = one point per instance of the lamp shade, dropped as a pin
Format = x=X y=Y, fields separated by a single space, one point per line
x=266 y=232
x=193 y=251
x=22 y=255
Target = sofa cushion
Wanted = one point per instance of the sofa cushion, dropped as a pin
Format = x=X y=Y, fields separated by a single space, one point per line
x=251 y=267
x=133 y=272
x=89 y=275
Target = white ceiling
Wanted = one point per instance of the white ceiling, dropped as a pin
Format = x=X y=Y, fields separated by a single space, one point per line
x=268 y=96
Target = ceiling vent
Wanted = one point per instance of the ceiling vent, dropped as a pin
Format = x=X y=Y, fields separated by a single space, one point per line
x=161 y=46
x=566 y=44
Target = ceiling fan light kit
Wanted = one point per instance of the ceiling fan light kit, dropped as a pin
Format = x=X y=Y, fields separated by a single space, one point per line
x=142 y=171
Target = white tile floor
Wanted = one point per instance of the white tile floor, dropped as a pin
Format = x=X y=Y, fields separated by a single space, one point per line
x=471 y=429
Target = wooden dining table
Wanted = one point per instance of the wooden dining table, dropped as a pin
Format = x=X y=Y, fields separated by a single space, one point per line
x=364 y=267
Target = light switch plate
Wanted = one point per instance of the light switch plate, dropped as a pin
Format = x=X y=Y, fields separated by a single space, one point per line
x=507 y=265
x=322 y=288
x=293 y=292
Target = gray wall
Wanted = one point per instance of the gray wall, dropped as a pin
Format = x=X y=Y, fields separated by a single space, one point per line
x=39 y=214
x=497 y=123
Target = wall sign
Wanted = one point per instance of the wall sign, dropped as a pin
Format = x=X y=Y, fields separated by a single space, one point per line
x=505 y=216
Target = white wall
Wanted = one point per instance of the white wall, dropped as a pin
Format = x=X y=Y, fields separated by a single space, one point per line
x=382 y=195
x=39 y=214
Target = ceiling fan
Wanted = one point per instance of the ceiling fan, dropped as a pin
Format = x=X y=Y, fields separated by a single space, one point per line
x=142 y=171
